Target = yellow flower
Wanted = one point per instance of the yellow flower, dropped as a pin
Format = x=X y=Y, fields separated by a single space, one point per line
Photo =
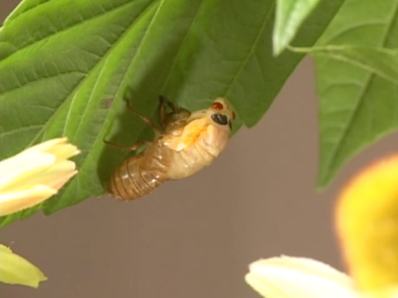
x=35 y=174
x=367 y=225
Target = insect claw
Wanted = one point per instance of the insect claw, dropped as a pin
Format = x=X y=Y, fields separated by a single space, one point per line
x=164 y=101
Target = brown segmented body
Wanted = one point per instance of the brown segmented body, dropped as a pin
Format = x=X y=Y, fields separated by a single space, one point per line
x=189 y=143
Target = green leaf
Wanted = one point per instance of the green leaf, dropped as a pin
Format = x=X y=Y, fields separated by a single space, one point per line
x=380 y=61
x=16 y=270
x=290 y=14
x=23 y=7
x=357 y=106
x=67 y=68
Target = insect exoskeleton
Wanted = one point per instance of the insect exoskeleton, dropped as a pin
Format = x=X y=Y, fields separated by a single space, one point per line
x=187 y=143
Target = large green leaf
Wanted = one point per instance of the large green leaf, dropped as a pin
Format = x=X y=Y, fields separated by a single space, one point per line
x=357 y=105
x=68 y=65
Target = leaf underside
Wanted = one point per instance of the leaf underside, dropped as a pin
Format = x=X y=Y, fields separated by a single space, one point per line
x=382 y=62
x=67 y=68
x=358 y=105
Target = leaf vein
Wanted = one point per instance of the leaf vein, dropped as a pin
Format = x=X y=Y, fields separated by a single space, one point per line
x=73 y=26
x=251 y=50
x=368 y=82
x=352 y=28
x=178 y=54
x=39 y=79
x=20 y=129
x=103 y=68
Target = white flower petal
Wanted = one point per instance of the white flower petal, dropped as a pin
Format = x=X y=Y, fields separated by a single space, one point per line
x=58 y=181
x=64 y=151
x=50 y=176
x=35 y=174
x=47 y=145
x=19 y=200
x=289 y=277
x=20 y=167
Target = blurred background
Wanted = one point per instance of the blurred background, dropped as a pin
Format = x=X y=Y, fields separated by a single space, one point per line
x=195 y=238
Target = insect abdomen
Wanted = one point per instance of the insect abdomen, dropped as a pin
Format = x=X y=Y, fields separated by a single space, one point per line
x=131 y=180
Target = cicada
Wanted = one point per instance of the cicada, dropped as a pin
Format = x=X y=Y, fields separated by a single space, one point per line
x=187 y=143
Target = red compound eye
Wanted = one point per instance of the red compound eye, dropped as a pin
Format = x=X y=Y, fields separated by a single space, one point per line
x=217 y=106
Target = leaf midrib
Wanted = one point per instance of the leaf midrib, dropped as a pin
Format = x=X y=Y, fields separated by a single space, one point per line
x=80 y=82
x=251 y=51
x=88 y=156
x=178 y=54
x=132 y=60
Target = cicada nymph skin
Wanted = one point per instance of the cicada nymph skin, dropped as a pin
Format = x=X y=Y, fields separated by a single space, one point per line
x=188 y=143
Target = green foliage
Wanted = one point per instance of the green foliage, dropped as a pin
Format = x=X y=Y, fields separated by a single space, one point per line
x=290 y=14
x=16 y=270
x=382 y=62
x=357 y=74
x=357 y=85
x=67 y=68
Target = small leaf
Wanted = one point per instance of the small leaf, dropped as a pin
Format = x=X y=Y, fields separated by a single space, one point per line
x=382 y=62
x=357 y=105
x=16 y=270
x=290 y=14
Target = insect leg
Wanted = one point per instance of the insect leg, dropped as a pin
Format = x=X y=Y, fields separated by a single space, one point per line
x=162 y=110
x=164 y=101
x=145 y=119
x=164 y=104
x=130 y=148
